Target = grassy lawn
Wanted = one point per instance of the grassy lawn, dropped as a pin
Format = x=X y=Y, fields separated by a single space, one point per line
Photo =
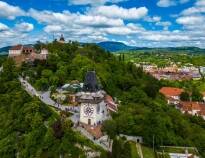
x=178 y=150
x=148 y=152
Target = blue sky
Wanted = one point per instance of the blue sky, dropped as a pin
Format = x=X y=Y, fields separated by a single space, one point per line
x=142 y=23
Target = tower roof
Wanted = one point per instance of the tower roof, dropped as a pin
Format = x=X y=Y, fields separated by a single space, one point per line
x=90 y=83
x=62 y=38
x=17 y=47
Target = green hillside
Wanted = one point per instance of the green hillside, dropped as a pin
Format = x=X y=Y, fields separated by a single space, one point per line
x=29 y=128
x=142 y=112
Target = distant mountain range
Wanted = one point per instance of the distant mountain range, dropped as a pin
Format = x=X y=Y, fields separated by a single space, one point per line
x=119 y=46
x=4 y=50
x=114 y=46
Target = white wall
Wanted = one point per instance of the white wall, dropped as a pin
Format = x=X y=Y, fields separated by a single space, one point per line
x=96 y=116
x=14 y=52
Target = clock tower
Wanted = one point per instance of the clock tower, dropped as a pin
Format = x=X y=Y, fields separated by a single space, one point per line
x=93 y=109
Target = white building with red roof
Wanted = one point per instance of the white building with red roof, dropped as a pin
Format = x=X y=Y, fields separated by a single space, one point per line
x=188 y=107
x=172 y=94
x=192 y=108
x=112 y=106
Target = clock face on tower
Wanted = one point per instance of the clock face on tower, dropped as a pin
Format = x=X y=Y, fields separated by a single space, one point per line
x=88 y=110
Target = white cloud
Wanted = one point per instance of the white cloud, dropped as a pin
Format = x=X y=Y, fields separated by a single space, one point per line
x=10 y=37
x=184 y=1
x=198 y=8
x=191 y=20
x=24 y=27
x=115 y=11
x=98 y=21
x=194 y=10
x=53 y=28
x=152 y=19
x=119 y=31
x=166 y=36
x=200 y=3
x=165 y=24
x=161 y=37
x=168 y=3
x=50 y=17
x=9 y=11
x=3 y=27
x=158 y=22
x=93 y=2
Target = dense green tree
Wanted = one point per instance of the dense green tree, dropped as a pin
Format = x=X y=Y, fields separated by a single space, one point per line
x=184 y=96
x=196 y=95
x=151 y=90
x=42 y=84
x=110 y=128
x=46 y=73
x=9 y=70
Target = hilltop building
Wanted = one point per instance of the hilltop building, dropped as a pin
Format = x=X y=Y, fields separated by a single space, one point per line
x=95 y=104
x=61 y=40
x=22 y=54
x=93 y=109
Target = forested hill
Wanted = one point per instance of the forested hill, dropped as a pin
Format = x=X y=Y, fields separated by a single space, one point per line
x=143 y=111
x=29 y=128
x=115 y=46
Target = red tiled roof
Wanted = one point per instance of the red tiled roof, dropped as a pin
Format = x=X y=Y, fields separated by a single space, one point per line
x=94 y=131
x=17 y=47
x=189 y=106
x=171 y=91
x=201 y=113
x=202 y=107
x=111 y=104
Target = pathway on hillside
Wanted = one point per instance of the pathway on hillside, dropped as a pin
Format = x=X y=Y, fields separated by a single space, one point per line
x=45 y=97
x=139 y=149
x=95 y=141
